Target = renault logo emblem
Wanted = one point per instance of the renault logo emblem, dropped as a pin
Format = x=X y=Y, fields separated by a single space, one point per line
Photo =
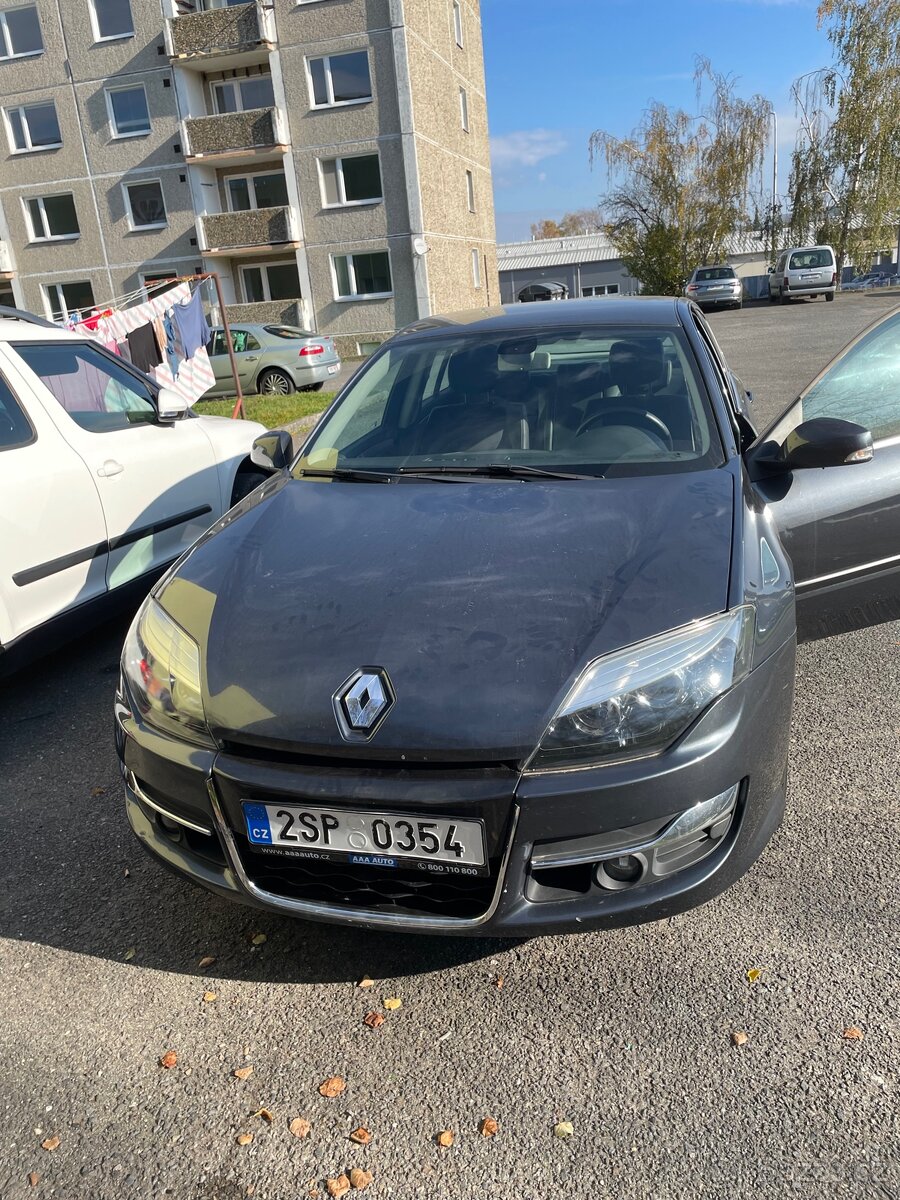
x=362 y=702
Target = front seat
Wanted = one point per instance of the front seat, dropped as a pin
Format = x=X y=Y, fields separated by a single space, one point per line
x=473 y=415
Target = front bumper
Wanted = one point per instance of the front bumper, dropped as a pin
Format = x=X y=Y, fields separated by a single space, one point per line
x=184 y=806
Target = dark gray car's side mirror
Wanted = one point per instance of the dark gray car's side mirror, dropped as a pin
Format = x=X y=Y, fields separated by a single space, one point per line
x=826 y=442
x=272 y=451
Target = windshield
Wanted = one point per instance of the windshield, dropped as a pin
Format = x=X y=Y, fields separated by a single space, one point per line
x=806 y=259
x=598 y=401
x=706 y=274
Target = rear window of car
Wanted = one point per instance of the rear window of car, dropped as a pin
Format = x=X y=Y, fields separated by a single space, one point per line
x=707 y=274
x=810 y=259
x=599 y=401
x=287 y=331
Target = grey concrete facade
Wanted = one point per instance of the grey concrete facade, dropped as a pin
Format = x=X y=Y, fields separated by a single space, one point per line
x=425 y=118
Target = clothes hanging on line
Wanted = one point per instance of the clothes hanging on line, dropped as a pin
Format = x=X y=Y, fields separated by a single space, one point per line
x=192 y=325
x=123 y=320
x=195 y=376
x=144 y=347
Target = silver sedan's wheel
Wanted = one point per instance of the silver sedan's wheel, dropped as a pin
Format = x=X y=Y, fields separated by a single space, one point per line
x=275 y=383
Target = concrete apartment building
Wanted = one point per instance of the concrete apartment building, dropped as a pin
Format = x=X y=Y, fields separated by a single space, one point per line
x=328 y=158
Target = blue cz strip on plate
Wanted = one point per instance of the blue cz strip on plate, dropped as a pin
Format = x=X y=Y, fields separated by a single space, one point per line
x=258 y=828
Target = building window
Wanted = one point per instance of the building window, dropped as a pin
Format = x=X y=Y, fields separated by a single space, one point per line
x=152 y=281
x=476 y=269
x=464 y=109
x=603 y=289
x=33 y=127
x=457 y=22
x=52 y=217
x=246 y=192
x=271 y=281
x=128 y=112
x=353 y=180
x=145 y=205
x=20 y=32
x=340 y=79
x=362 y=276
x=470 y=190
x=63 y=299
x=111 y=19
x=241 y=95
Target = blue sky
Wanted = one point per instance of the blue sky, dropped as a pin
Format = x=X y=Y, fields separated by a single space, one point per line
x=558 y=69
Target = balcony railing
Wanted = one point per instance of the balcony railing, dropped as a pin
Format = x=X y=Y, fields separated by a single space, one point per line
x=236 y=231
x=239 y=33
x=258 y=129
x=282 y=312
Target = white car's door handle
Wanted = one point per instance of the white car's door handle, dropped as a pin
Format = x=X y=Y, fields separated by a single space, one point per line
x=110 y=468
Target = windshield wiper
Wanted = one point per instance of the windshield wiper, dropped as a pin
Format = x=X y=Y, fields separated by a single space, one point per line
x=497 y=471
x=348 y=474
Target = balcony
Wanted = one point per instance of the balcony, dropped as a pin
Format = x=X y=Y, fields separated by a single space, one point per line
x=245 y=232
x=7 y=270
x=221 y=39
x=232 y=139
x=295 y=312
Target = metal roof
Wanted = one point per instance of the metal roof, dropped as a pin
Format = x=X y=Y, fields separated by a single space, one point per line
x=593 y=247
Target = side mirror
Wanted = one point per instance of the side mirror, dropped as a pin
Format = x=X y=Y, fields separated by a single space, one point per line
x=272 y=451
x=826 y=442
x=170 y=406
x=770 y=270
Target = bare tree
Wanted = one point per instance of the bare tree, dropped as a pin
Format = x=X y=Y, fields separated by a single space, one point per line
x=682 y=184
x=845 y=171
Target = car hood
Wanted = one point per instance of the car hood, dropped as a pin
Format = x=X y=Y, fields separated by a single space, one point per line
x=481 y=599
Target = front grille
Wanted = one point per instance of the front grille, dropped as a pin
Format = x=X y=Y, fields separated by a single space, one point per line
x=398 y=891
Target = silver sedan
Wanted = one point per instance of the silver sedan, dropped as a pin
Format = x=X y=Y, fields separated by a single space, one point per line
x=275 y=360
x=715 y=286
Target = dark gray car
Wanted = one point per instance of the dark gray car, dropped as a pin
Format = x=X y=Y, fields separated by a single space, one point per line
x=509 y=647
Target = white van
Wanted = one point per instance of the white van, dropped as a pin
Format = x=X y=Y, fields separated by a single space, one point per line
x=803 y=271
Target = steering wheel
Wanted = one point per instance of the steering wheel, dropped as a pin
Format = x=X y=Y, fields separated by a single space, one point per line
x=649 y=421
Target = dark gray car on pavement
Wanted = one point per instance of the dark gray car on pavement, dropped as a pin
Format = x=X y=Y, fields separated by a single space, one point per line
x=508 y=648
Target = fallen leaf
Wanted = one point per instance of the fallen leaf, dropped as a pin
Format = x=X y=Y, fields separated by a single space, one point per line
x=489 y=1127
x=300 y=1127
x=445 y=1138
x=739 y=1038
x=126 y=872
x=360 y=1179
x=393 y=1003
x=564 y=1129
x=209 y=997
x=366 y=982
x=168 y=1060
x=258 y=939
x=98 y=791
x=265 y=1113
x=361 y=1136
x=332 y=1087
x=373 y=1019
x=498 y=982
x=206 y=961
x=853 y=1033
x=50 y=1143
x=313 y=1191
x=34 y=1179
x=130 y=953
x=338 y=1187
x=244 y=1139
x=243 y=1073
x=753 y=974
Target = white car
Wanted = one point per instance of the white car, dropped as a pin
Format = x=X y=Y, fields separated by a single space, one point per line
x=104 y=479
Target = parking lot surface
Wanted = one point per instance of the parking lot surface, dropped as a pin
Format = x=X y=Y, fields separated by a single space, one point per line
x=626 y=1035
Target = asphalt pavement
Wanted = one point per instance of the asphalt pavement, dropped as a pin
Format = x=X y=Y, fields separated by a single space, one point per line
x=626 y=1035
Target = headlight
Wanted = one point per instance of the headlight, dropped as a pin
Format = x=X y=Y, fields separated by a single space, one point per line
x=161 y=666
x=638 y=701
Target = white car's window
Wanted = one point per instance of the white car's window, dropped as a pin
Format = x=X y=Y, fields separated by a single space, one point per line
x=598 y=401
x=805 y=260
x=864 y=386
x=15 y=429
x=94 y=390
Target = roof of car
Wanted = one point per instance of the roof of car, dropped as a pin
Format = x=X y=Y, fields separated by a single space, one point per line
x=608 y=310
x=13 y=330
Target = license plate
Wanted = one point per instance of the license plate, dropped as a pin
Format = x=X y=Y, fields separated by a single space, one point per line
x=370 y=839
x=334 y=369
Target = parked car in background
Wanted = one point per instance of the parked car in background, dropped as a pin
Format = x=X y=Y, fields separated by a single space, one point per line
x=274 y=360
x=715 y=287
x=498 y=655
x=105 y=479
x=803 y=271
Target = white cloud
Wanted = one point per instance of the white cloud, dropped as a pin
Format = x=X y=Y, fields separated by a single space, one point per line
x=525 y=148
x=542 y=177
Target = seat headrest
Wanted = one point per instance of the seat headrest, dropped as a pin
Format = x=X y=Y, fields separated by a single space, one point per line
x=638 y=365
x=473 y=369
